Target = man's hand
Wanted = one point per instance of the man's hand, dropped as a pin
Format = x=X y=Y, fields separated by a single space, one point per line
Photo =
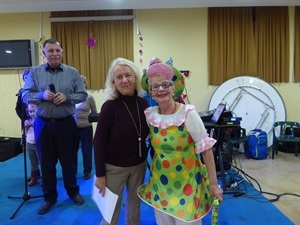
x=59 y=98
x=48 y=95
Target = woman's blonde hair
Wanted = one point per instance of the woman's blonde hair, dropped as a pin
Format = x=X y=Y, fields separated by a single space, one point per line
x=110 y=91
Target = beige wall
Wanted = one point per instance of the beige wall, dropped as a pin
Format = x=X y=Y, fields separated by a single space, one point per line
x=177 y=33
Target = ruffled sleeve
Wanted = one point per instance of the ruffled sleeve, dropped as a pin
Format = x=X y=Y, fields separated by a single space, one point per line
x=197 y=130
x=204 y=144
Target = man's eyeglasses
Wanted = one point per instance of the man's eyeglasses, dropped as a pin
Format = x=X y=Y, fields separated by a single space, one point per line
x=164 y=85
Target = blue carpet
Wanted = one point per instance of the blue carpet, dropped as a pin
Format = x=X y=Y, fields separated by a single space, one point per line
x=251 y=208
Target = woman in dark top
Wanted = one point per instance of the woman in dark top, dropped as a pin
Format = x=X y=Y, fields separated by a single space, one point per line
x=119 y=142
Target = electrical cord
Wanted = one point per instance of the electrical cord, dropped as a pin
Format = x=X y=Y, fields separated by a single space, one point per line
x=241 y=190
x=240 y=187
x=279 y=195
x=248 y=176
x=276 y=196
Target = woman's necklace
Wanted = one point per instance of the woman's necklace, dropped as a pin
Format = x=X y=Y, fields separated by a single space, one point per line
x=139 y=132
x=175 y=107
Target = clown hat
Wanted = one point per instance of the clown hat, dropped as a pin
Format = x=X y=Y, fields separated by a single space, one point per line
x=170 y=71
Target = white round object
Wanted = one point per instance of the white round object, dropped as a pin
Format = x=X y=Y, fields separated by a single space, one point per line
x=256 y=101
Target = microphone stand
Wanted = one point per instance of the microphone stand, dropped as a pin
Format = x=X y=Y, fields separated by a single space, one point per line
x=26 y=196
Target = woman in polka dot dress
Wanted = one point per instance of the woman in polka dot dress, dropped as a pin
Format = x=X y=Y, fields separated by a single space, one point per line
x=181 y=189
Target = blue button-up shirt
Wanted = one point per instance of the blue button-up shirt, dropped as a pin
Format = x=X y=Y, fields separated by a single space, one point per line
x=66 y=80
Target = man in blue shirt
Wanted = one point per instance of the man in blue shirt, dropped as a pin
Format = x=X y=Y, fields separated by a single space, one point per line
x=55 y=88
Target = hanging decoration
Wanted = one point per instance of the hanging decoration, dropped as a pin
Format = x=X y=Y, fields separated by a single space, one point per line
x=140 y=36
x=40 y=44
x=141 y=46
x=91 y=42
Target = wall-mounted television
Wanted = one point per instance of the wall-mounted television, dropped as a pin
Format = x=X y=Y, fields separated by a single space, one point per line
x=17 y=54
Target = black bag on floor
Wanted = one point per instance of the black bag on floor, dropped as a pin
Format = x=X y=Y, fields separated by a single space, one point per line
x=9 y=147
x=289 y=147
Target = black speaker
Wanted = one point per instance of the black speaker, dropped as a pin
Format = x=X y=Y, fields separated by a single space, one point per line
x=9 y=147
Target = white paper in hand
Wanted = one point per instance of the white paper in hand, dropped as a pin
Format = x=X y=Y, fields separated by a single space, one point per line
x=106 y=204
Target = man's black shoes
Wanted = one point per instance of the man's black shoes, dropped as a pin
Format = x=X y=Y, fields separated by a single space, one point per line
x=45 y=207
x=77 y=199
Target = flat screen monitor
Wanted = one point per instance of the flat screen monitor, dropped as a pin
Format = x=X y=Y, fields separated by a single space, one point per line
x=17 y=54
x=217 y=114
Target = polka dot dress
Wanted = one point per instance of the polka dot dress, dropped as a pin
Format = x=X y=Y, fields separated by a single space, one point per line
x=178 y=183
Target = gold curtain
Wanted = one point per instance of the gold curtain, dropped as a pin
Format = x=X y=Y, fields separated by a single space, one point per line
x=248 y=41
x=114 y=39
x=231 y=44
x=91 y=13
x=297 y=45
x=272 y=43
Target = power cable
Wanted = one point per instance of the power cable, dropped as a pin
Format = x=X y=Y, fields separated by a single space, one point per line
x=276 y=196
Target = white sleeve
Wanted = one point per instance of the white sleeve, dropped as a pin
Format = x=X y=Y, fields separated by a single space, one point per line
x=197 y=130
x=195 y=126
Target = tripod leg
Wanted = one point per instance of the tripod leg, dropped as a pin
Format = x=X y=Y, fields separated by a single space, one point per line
x=26 y=195
x=14 y=214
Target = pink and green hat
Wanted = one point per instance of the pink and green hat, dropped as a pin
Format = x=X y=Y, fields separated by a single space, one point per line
x=171 y=72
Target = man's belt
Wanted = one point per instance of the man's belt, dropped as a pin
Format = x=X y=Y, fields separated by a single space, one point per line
x=55 y=120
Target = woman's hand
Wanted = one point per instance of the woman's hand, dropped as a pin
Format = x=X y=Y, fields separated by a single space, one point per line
x=100 y=183
x=216 y=191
